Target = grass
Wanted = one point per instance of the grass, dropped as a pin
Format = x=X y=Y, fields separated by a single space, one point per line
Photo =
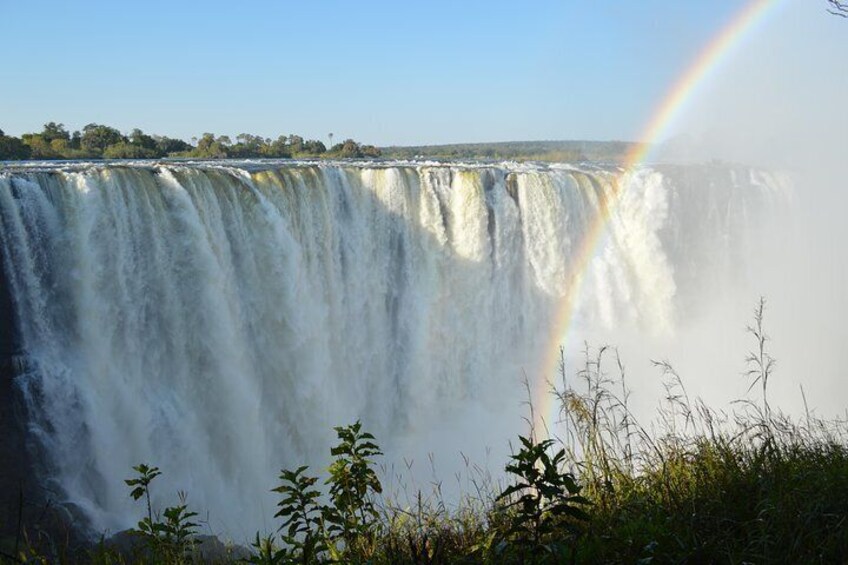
x=752 y=486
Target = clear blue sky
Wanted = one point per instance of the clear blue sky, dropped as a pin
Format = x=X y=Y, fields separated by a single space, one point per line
x=381 y=72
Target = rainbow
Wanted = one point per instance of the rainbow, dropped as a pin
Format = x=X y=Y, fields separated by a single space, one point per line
x=743 y=23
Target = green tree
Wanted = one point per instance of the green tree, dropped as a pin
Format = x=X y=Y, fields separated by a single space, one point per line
x=124 y=150
x=370 y=151
x=140 y=139
x=208 y=147
x=248 y=145
x=53 y=131
x=295 y=144
x=169 y=145
x=314 y=147
x=349 y=149
x=205 y=142
x=279 y=148
x=60 y=146
x=13 y=149
x=76 y=140
x=102 y=141
x=39 y=147
x=96 y=138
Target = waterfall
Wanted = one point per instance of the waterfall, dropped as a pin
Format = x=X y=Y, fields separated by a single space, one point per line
x=218 y=321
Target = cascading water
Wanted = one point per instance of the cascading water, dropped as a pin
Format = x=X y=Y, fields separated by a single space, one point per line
x=217 y=321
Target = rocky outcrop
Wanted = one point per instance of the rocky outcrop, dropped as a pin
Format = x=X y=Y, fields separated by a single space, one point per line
x=18 y=486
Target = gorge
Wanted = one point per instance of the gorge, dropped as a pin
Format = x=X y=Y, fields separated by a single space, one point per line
x=217 y=319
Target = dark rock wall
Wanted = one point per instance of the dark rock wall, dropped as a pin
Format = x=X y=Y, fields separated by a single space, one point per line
x=17 y=482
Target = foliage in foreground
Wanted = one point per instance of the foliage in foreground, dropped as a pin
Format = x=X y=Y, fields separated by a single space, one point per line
x=753 y=486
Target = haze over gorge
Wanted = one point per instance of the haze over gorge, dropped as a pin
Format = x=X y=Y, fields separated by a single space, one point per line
x=231 y=313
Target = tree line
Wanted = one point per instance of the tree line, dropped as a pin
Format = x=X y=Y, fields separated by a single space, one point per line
x=556 y=151
x=97 y=141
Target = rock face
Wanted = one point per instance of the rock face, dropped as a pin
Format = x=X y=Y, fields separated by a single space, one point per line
x=131 y=547
x=26 y=506
x=16 y=477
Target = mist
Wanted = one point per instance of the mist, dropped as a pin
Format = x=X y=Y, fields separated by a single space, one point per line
x=775 y=103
